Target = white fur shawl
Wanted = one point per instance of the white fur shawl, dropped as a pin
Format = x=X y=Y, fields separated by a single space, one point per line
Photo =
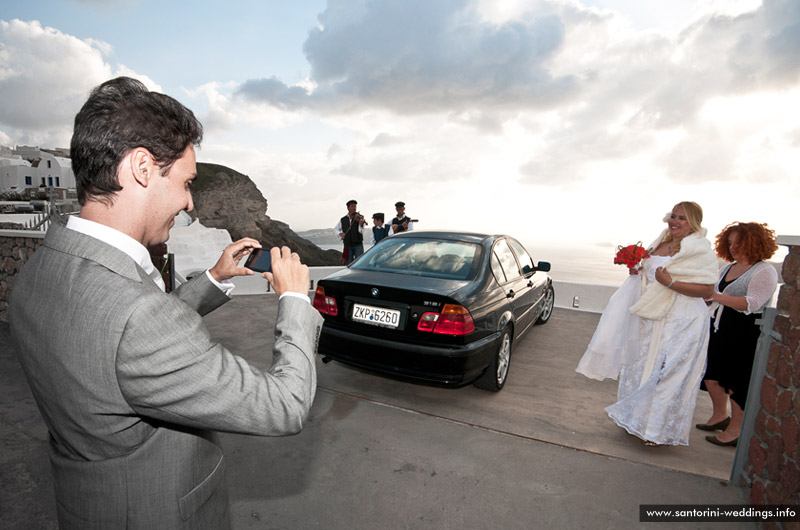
x=694 y=263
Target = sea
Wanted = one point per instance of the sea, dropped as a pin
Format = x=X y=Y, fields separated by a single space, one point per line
x=583 y=265
x=587 y=264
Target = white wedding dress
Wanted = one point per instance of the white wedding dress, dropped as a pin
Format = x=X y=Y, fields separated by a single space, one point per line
x=616 y=338
x=660 y=363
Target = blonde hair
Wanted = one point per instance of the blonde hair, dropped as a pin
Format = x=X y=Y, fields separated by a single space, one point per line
x=694 y=216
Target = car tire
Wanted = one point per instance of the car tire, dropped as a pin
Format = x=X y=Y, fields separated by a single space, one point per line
x=547 y=309
x=494 y=378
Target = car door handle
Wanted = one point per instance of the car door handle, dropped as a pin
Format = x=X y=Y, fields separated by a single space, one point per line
x=511 y=293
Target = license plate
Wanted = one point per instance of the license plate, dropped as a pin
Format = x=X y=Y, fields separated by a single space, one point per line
x=377 y=316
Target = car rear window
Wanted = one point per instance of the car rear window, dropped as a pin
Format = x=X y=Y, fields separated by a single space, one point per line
x=433 y=258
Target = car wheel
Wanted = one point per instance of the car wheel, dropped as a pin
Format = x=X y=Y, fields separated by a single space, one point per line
x=495 y=376
x=548 y=303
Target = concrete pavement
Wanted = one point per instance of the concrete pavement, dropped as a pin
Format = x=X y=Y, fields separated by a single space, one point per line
x=382 y=453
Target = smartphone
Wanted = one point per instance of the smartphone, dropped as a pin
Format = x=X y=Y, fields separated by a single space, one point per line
x=259 y=260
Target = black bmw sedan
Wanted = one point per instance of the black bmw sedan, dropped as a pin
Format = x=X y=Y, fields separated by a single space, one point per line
x=442 y=307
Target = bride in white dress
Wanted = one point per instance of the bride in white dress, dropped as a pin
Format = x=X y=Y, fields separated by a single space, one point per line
x=654 y=333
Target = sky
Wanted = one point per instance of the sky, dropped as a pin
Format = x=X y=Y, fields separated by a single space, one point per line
x=560 y=122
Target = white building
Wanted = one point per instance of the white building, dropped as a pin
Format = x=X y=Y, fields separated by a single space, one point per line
x=17 y=173
x=55 y=171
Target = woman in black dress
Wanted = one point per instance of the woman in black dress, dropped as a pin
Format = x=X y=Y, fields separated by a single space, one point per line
x=744 y=289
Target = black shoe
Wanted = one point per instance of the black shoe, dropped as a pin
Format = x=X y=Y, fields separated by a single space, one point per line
x=719 y=426
x=715 y=441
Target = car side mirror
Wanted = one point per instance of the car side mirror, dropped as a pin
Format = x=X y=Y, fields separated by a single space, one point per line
x=543 y=266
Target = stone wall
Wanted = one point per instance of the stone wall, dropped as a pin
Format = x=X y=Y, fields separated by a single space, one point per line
x=775 y=446
x=15 y=249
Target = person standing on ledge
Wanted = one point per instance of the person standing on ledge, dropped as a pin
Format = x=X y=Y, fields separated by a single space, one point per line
x=127 y=378
x=653 y=333
x=380 y=231
x=402 y=222
x=350 y=230
x=744 y=289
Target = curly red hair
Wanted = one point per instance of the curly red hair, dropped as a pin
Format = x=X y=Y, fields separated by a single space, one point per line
x=756 y=240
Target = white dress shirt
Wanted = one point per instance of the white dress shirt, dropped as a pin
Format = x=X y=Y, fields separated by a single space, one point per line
x=140 y=254
x=131 y=247
x=372 y=234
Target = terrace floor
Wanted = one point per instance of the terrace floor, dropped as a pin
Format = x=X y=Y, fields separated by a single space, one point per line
x=383 y=453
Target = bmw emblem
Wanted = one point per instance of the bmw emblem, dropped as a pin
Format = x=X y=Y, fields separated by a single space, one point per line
x=375 y=292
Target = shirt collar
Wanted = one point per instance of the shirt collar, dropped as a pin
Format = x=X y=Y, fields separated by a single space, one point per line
x=118 y=240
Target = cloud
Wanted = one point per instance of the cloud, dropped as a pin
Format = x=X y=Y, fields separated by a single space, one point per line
x=643 y=89
x=385 y=139
x=416 y=56
x=46 y=70
x=782 y=42
x=472 y=101
x=227 y=109
x=794 y=138
x=45 y=76
x=282 y=96
x=588 y=89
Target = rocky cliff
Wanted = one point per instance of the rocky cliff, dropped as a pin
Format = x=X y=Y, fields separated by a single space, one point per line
x=224 y=198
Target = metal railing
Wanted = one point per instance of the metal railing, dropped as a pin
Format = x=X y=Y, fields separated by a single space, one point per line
x=753 y=405
x=41 y=220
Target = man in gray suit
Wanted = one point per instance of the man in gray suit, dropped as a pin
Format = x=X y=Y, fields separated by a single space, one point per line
x=126 y=377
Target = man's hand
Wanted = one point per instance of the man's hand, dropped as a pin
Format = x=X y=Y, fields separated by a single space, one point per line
x=405 y=225
x=341 y=235
x=228 y=264
x=288 y=274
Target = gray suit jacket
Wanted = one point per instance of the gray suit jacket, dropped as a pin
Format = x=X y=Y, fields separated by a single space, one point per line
x=132 y=387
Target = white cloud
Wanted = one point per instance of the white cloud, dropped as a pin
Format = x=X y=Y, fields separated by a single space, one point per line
x=540 y=114
x=226 y=110
x=589 y=88
x=45 y=76
x=416 y=57
x=638 y=86
x=151 y=85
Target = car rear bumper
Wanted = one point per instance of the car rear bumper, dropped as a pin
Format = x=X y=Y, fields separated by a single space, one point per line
x=452 y=365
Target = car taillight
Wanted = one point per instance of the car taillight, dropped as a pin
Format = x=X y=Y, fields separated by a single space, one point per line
x=453 y=320
x=325 y=304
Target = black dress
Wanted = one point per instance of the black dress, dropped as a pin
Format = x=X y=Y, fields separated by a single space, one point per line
x=732 y=349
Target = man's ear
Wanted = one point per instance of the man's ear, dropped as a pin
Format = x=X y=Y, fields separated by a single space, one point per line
x=142 y=165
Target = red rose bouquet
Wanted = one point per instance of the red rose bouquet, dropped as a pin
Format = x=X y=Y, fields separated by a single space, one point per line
x=631 y=255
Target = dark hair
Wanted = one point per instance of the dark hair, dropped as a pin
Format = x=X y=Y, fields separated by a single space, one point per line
x=756 y=241
x=378 y=216
x=121 y=115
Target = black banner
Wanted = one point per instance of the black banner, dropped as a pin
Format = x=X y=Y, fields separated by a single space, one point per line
x=717 y=513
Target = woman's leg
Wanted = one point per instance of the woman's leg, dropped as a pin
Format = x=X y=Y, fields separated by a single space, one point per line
x=735 y=426
x=719 y=402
